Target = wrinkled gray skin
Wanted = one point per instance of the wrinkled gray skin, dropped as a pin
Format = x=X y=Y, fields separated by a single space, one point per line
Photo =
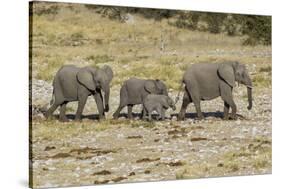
x=159 y=103
x=134 y=91
x=72 y=83
x=207 y=81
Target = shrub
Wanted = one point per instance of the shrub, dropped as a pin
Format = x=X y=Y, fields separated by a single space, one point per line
x=214 y=21
x=41 y=8
x=99 y=58
x=258 y=30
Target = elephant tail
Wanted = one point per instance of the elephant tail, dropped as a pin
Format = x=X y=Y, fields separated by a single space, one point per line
x=180 y=89
x=53 y=94
x=53 y=99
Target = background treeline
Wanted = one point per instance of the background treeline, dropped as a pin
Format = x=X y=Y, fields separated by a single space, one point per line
x=256 y=29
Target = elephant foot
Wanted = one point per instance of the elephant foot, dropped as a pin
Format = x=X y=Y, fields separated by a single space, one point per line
x=46 y=115
x=233 y=117
x=115 y=116
x=64 y=119
x=78 y=119
x=225 y=118
x=180 y=119
x=101 y=117
x=181 y=116
x=200 y=117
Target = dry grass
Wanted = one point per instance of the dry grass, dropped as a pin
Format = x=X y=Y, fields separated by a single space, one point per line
x=77 y=35
x=257 y=156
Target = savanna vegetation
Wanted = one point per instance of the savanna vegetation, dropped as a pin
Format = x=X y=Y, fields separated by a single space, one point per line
x=147 y=43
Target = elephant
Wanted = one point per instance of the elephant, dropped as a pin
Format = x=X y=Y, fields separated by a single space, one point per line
x=134 y=91
x=206 y=81
x=159 y=103
x=73 y=83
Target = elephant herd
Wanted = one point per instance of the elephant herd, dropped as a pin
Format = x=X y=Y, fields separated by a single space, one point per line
x=202 y=81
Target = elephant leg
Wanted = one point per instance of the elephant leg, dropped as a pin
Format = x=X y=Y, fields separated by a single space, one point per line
x=51 y=110
x=194 y=94
x=198 y=109
x=99 y=103
x=186 y=100
x=117 y=112
x=81 y=104
x=123 y=101
x=234 y=109
x=159 y=111
x=102 y=102
x=62 y=116
x=149 y=115
x=226 y=111
x=163 y=113
x=144 y=113
x=226 y=95
x=130 y=110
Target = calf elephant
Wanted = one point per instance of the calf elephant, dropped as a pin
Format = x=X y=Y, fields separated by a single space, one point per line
x=159 y=103
x=205 y=81
x=72 y=83
x=134 y=91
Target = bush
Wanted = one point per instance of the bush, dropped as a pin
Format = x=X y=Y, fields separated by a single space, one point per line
x=41 y=8
x=214 y=21
x=188 y=20
x=258 y=30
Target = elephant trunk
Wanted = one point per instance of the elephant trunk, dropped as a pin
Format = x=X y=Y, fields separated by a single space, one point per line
x=106 y=90
x=250 y=99
x=248 y=83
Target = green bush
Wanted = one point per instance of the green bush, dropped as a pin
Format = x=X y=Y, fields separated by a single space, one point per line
x=41 y=8
x=214 y=21
x=258 y=30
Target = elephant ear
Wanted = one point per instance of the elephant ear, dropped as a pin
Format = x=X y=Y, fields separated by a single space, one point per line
x=165 y=102
x=107 y=69
x=226 y=72
x=86 y=78
x=150 y=86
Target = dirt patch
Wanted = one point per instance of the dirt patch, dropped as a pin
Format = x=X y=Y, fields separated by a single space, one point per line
x=134 y=137
x=147 y=171
x=132 y=174
x=101 y=182
x=48 y=148
x=60 y=155
x=103 y=172
x=84 y=150
x=195 y=139
x=96 y=151
x=118 y=179
x=147 y=160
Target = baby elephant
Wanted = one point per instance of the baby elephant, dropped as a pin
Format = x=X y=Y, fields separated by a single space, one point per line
x=159 y=103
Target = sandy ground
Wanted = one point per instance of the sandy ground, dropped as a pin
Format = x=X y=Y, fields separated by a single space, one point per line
x=110 y=151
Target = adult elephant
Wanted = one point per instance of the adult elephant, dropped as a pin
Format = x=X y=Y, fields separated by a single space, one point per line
x=134 y=91
x=72 y=83
x=205 y=81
